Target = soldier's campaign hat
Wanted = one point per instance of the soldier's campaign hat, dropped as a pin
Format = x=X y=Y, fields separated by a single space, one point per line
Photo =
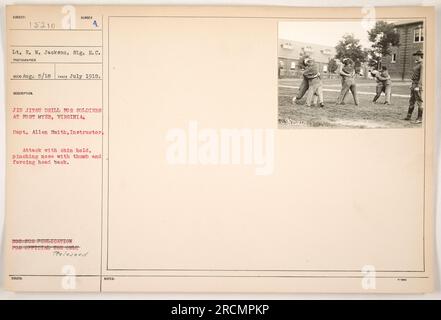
x=419 y=53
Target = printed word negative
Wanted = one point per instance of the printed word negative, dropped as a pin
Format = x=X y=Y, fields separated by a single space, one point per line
x=208 y=146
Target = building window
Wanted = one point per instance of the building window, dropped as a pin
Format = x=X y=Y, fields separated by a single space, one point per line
x=287 y=46
x=308 y=49
x=293 y=65
x=325 y=68
x=418 y=35
x=393 y=58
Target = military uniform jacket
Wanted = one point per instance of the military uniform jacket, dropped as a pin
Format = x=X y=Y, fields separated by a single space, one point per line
x=417 y=75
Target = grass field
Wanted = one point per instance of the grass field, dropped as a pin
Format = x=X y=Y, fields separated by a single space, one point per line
x=365 y=115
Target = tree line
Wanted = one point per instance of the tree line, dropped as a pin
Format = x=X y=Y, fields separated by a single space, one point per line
x=383 y=36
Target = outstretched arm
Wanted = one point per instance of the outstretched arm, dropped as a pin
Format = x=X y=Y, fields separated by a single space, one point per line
x=311 y=76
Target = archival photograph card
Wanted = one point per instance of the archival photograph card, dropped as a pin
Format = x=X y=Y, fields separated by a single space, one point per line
x=219 y=149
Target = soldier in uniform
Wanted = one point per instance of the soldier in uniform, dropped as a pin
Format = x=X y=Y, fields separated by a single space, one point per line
x=384 y=84
x=315 y=91
x=416 y=90
x=347 y=73
x=304 y=86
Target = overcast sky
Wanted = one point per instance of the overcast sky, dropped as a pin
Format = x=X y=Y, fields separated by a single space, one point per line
x=323 y=32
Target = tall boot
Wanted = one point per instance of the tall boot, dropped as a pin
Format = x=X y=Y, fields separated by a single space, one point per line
x=409 y=113
x=419 y=119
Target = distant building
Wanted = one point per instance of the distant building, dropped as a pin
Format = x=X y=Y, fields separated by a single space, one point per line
x=401 y=62
x=291 y=54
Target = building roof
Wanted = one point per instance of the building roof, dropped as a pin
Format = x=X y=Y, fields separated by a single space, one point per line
x=407 y=22
x=294 y=49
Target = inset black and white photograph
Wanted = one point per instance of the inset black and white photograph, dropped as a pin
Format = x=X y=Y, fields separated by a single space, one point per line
x=351 y=74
